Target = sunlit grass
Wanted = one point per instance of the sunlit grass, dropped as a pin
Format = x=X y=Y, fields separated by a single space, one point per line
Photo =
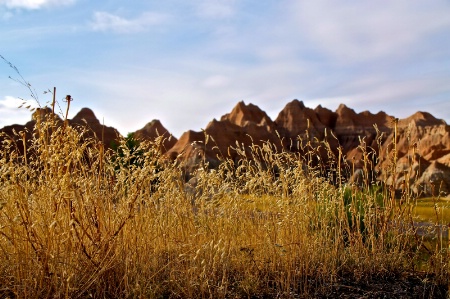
x=433 y=210
x=77 y=221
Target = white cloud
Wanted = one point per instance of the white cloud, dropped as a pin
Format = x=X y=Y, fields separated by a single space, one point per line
x=34 y=4
x=13 y=103
x=9 y=102
x=104 y=21
x=11 y=114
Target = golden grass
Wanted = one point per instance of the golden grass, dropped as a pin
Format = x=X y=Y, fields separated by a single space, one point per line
x=77 y=221
x=433 y=210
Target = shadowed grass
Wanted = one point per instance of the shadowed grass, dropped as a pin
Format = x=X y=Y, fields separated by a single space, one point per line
x=77 y=221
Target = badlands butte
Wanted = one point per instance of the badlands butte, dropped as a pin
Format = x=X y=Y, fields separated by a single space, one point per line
x=422 y=143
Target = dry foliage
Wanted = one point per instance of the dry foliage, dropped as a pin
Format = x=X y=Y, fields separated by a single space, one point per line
x=77 y=221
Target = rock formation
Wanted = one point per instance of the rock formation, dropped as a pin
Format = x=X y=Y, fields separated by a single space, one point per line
x=154 y=129
x=365 y=141
x=243 y=114
x=243 y=126
x=86 y=118
x=297 y=120
x=14 y=131
x=410 y=154
x=423 y=148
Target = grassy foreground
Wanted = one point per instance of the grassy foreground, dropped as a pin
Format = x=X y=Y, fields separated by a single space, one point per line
x=77 y=221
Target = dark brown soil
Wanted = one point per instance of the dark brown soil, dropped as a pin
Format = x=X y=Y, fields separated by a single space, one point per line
x=407 y=286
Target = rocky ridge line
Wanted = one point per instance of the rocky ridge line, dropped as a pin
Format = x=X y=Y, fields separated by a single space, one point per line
x=423 y=141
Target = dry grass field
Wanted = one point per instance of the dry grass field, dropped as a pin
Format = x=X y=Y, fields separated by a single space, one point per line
x=77 y=221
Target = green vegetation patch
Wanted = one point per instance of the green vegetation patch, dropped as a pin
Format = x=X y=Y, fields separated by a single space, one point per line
x=433 y=210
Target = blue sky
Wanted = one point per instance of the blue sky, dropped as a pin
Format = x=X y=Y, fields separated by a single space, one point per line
x=186 y=62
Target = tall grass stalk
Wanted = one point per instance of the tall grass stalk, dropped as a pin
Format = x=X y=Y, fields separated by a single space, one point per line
x=77 y=221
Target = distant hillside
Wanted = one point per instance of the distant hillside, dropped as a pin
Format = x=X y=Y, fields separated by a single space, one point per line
x=423 y=142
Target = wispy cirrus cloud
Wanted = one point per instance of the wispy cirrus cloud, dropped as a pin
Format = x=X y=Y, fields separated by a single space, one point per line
x=34 y=4
x=104 y=21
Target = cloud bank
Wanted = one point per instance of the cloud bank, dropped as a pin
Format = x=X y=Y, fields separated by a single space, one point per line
x=104 y=21
x=10 y=112
x=34 y=4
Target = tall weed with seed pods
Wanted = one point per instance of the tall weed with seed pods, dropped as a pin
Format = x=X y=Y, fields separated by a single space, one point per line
x=78 y=220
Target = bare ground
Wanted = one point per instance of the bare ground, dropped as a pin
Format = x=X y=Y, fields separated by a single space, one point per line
x=406 y=286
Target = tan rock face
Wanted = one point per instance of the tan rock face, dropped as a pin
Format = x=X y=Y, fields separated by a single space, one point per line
x=86 y=117
x=347 y=125
x=422 y=144
x=420 y=135
x=296 y=119
x=421 y=140
x=435 y=181
x=350 y=122
x=245 y=125
x=243 y=114
x=326 y=116
x=346 y=121
x=421 y=119
x=154 y=129
x=351 y=127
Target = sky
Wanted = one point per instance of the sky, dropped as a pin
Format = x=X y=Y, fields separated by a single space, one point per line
x=187 y=62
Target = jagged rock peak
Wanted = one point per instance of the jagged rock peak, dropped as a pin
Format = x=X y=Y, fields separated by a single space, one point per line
x=294 y=107
x=296 y=103
x=242 y=114
x=296 y=119
x=154 y=122
x=381 y=119
x=349 y=121
x=154 y=129
x=211 y=124
x=346 y=119
x=86 y=114
x=154 y=125
x=151 y=130
x=421 y=118
x=343 y=109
